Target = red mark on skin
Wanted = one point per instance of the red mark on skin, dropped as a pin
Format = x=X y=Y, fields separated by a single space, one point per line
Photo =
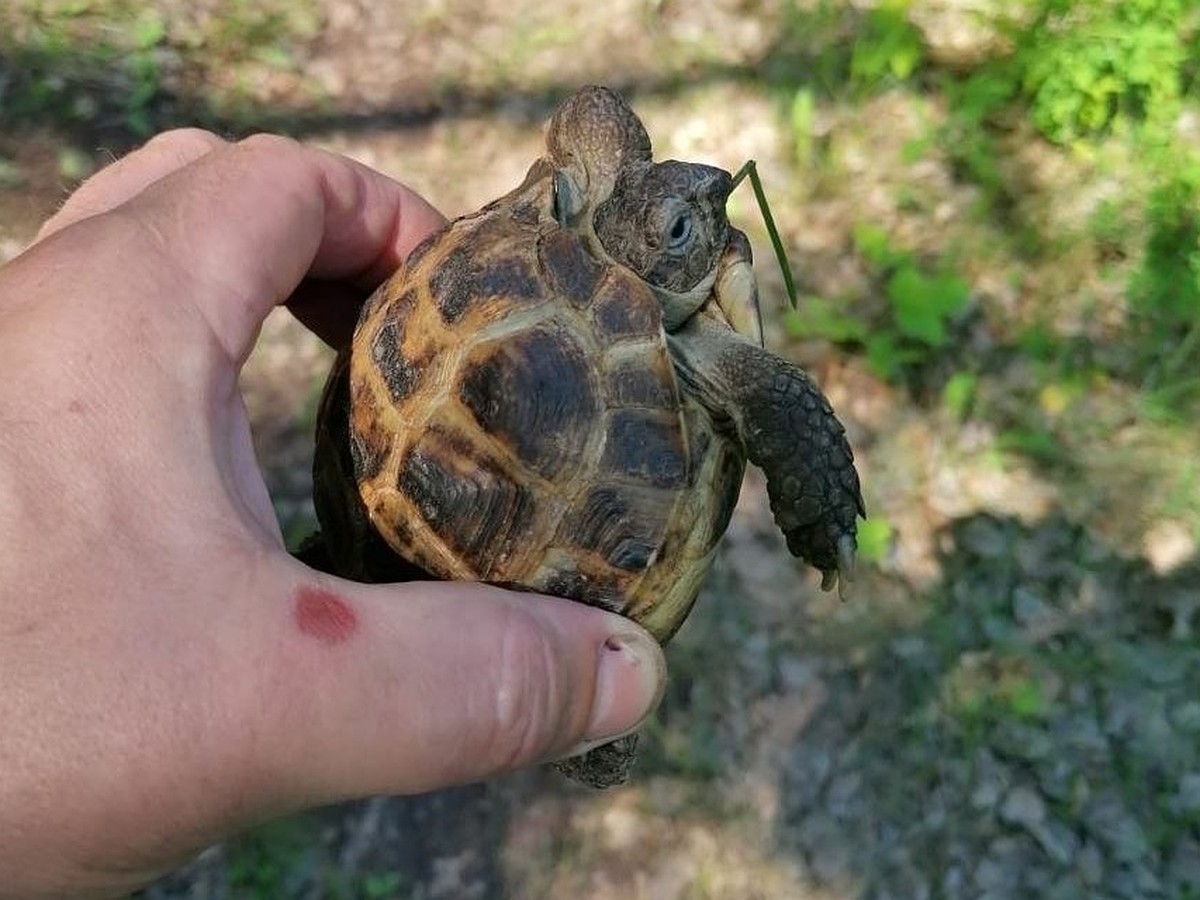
x=324 y=615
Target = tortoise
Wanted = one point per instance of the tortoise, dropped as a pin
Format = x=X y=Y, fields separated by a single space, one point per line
x=559 y=393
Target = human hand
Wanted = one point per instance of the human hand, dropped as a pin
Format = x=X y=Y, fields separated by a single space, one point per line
x=168 y=674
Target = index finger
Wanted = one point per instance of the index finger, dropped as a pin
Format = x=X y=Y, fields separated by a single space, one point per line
x=246 y=223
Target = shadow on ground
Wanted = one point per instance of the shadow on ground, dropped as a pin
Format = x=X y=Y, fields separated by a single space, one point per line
x=1033 y=732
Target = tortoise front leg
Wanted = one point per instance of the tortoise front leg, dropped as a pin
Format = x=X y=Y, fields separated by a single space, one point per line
x=788 y=430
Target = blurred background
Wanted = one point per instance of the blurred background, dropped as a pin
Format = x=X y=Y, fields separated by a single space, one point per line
x=993 y=211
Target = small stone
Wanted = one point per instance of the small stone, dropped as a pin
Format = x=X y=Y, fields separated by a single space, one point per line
x=1024 y=742
x=1108 y=819
x=842 y=793
x=1057 y=780
x=1082 y=732
x=954 y=882
x=909 y=883
x=1029 y=608
x=1034 y=555
x=1036 y=880
x=1067 y=888
x=1167 y=545
x=985 y=538
x=826 y=846
x=1137 y=883
x=1183 y=871
x=991 y=874
x=997 y=629
x=992 y=780
x=1168 y=668
x=910 y=647
x=1186 y=716
x=1187 y=797
x=1089 y=863
x=987 y=794
x=796 y=673
x=1059 y=841
x=1023 y=807
x=1121 y=713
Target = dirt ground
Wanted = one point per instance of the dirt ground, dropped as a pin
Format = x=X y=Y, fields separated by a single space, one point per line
x=1006 y=707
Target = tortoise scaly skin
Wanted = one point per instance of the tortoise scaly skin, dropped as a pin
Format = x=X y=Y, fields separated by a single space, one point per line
x=559 y=393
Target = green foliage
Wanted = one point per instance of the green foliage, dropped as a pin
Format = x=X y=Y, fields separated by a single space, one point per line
x=921 y=304
x=286 y=858
x=1164 y=293
x=11 y=176
x=993 y=686
x=958 y=395
x=262 y=860
x=142 y=64
x=76 y=59
x=88 y=62
x=875 y=537
x=1168 y=285
x=818 y=317
x=382 y=886
x=1088 y=67
x=1036 y=441
x=874 y=246
x=887 y=48
x=803 y=114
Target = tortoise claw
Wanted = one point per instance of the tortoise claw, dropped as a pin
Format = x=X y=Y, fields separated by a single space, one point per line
x=847 y=557
x=843 y=576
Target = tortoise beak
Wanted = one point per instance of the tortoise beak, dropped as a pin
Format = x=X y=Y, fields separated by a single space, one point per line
x=736 y=291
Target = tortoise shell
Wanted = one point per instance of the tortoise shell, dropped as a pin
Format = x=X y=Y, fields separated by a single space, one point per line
x=516 y=419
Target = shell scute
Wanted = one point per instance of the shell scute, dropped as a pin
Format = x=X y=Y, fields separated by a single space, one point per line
x=571 y=272
x=624 y=308
x=621 y=523
x=647 y=446
x=474 y=507
x=399 y=373
x=533 y=392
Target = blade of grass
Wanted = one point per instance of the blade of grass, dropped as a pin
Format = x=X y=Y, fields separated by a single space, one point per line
x=765 y=208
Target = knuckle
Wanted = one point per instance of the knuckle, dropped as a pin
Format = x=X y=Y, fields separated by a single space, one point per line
x=185 y=143
x=269 y=143
x=531 y=713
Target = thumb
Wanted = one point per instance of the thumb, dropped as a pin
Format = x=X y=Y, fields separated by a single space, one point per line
x=404 y=688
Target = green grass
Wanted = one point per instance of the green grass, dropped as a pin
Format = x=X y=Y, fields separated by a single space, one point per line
x=125 y=66
x=286 y=857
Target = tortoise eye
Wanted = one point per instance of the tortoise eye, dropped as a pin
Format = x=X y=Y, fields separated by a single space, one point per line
x=681 y=230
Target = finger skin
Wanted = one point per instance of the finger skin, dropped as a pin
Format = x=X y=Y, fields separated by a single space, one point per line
x=484 y=676
x=127 y=177
x=170 y=675
x=251 y=221
x=300 y=212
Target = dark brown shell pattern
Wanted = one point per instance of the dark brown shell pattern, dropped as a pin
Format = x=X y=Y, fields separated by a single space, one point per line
x=516 y=419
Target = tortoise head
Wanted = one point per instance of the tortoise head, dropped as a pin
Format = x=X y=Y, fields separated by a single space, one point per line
x=593 y=138
x=667 y=223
